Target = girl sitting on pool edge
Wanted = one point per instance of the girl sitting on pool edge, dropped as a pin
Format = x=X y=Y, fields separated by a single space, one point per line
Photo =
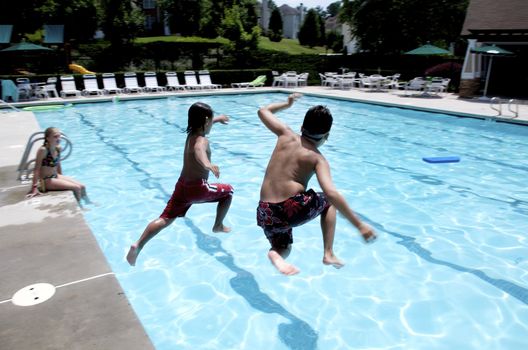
x=48 y=169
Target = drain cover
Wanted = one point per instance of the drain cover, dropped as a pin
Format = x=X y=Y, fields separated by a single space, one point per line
x=33 y=294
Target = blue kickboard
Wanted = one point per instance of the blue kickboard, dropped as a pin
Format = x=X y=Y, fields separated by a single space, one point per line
x=452 y=159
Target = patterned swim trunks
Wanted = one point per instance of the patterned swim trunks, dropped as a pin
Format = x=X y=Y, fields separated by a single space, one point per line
x=277 y=219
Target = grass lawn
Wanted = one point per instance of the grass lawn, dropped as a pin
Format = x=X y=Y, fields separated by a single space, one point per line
x=289 y=46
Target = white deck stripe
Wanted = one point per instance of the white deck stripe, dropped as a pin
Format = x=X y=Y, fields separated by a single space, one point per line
x=74 y=282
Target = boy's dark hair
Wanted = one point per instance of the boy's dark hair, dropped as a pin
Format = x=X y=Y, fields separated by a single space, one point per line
x=317 y=121
x=198 y=114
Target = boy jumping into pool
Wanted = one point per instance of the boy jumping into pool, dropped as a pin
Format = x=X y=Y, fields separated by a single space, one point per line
x=284 y=200
x=192 y=186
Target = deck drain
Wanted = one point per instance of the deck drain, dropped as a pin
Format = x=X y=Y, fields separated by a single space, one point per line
x=33 y=294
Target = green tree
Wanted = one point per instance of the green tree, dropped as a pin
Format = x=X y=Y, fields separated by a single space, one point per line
x=184 y=16
x=334 y=8
x=393 y=26
x=79 y=17
x=22 y=15
x=275 y=26
x=310 y=32
x=242 y=42
x=121 y=21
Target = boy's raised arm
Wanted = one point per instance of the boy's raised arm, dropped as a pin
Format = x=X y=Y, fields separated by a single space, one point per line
x=222 y=118
x=266 y=114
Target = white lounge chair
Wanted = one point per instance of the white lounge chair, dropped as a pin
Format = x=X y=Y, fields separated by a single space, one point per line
x=172 y=82
x=151 y=83
x=190 y=80
x=90 y=85
x=68 y=86
x=50 y=89
x=205 y=80
x=109 y=84
x=131 y=83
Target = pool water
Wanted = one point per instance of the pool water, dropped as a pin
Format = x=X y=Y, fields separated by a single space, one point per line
x=449 y=270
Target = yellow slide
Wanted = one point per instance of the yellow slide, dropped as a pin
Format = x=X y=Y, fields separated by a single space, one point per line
x=79 y=69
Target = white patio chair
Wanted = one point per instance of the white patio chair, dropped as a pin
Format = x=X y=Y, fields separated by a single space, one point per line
x=416 y=84
x=131 y=83
x=205 y=80
x=151 y=83
x=50 y=89
x=172 y=82
x=303 y=79
x=109 y=84
x=90 y=85
x=68 y=86
x=191 y=82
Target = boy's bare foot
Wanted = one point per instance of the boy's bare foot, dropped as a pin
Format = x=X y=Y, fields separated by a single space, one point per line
x=334 y=261
x=132 y=255
x=221 y=228
x=281 y=264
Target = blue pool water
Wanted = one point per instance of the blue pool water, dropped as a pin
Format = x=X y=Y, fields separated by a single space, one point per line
x=449 y=270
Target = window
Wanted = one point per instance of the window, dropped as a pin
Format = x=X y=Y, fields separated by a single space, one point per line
x=149 y=4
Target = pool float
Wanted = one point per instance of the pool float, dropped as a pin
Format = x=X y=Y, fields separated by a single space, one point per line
x=79 y=69
x=46 y=107
x=451 y=159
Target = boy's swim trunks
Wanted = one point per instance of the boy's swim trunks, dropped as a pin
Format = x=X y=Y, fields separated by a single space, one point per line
x=277 y=219
x=187 y=193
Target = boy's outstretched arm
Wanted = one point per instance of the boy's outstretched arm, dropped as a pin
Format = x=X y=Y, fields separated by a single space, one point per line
x=266 y=114
x=322 y=171
x=222 y=118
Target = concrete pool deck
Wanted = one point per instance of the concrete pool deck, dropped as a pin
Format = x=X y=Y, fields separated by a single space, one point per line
x=46 y=240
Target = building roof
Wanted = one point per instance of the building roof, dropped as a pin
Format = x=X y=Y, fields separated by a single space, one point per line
x=288 y=10
x=504 y=19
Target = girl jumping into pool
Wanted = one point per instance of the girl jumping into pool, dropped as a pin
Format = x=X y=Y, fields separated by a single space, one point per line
x=48 y=169
x=192 y=186
x=285 y=201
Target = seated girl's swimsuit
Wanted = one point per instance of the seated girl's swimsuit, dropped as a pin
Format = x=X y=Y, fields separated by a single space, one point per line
x=187 y=193
x=277 y=219
x=49 y=160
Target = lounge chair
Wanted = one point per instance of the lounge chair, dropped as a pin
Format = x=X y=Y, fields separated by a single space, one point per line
x=172 y=82
x=190 y=80
x=205 y=80
x=259 y=81
x=109 y=84
x=131 y=83
x=50 y=89
x=151 y=83
x=68 y=86
x=24 y=89
x=90 y=85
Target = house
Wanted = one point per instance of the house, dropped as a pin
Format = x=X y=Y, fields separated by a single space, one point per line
x=505 y=24
x=292 y=19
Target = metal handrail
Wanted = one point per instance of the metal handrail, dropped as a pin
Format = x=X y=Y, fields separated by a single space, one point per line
x=24 y=169
x=499 y=103
x=516 y=111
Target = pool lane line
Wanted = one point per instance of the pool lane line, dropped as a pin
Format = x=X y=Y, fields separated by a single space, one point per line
x=73 y=282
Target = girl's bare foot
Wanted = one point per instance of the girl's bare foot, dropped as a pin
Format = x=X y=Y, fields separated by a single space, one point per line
x=221 y=228
x=333 y=260
x=132 y=255
x=281 y=264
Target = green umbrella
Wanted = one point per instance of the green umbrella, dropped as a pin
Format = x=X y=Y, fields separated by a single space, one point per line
x=490 y=50
x=24 y=46
x=428 y=49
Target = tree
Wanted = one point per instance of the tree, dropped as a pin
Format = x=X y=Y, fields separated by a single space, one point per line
x=389 y=26
x=275 y=26
x=184 y=16
x=78 y=16
x=121 y=21
x=333 y=8
x=310 y=33
x=242 y=42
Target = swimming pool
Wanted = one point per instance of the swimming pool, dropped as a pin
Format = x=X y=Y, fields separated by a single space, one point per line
x=447 y=272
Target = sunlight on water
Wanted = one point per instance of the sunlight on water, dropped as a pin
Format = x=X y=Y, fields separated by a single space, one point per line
x=447 y=272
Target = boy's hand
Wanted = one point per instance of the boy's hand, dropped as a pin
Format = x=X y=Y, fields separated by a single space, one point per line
x=215 y=170
x=224 y=119
x=367 y=233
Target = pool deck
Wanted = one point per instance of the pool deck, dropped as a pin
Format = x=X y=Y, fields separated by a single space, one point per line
x=46 y=240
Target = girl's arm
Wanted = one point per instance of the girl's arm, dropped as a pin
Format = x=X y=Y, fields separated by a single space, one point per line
x=36 y=172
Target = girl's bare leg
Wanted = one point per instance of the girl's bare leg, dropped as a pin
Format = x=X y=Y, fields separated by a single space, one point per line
x=221 y=212
x=61 y=184
x=84 y=195
x=328 y=225
x=152 y=229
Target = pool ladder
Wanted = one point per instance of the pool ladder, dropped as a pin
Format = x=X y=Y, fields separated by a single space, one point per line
x=513 y=106
x=25 y=168
x=2 y=102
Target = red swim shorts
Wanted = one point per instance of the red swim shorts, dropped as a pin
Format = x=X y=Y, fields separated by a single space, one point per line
x=187 y=193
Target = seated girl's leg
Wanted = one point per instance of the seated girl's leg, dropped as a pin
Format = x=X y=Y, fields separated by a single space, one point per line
x=81 y=185
x=62 y=184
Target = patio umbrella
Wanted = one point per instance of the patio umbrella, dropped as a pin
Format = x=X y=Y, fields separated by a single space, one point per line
x=427 y=50
x=490 y=50
x=24 y=46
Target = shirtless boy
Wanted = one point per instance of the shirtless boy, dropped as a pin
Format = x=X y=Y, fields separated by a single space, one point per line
x=285 y=201
x=192 y=186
